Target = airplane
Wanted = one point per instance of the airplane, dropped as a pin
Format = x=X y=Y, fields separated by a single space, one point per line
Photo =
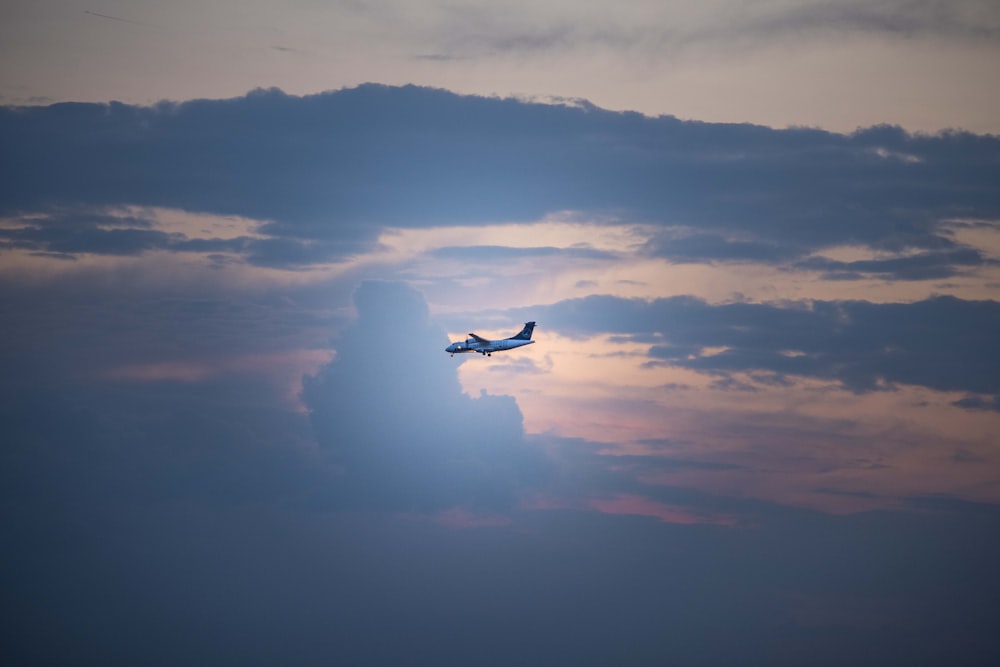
x=481 y=345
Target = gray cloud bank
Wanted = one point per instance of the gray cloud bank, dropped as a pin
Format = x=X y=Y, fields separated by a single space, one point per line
x=328 y=171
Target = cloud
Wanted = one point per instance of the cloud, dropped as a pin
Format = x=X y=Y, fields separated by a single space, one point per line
x=326 y=173
x=167 y=495
x=199 y=522
x=980 y=403
x=523 y=29
x=85 y=231
x=494 y=253
x=391 y=413
x=921 y=266
x=74 y=232
x=388 y=411
x=942 y=343
x=701 y=247
x=965 y=19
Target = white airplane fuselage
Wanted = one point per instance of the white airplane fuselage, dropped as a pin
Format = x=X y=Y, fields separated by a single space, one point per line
x=472 y=345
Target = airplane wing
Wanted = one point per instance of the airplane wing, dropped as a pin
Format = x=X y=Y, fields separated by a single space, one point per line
x=478 y=338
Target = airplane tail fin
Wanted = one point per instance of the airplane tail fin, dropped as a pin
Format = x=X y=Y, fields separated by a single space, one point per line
x=525 y=332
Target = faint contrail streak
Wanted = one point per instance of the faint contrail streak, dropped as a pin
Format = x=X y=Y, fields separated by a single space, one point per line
x=113 y=18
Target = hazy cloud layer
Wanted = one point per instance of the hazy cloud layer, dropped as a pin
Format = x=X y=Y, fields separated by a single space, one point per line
x=475 y=30
x=978 y=19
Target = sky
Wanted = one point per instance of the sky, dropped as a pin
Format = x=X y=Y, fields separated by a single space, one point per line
x=758 y=424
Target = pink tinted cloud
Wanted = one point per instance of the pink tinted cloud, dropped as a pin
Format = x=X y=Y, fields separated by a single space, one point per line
x=284 y=369
x=182 y=371
x=631 y=504
x=627 y=503
x=195 y=370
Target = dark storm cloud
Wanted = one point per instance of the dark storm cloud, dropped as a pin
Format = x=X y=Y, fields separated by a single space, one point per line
x=392 y=414
x=337 y=167
x=942 y=343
